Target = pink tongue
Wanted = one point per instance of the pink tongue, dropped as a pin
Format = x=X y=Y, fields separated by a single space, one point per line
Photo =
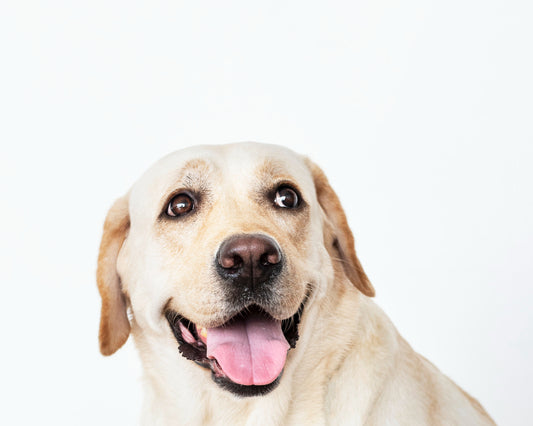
x=250 y=351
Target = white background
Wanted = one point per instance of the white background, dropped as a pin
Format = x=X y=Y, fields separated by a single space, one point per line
x=420 y=112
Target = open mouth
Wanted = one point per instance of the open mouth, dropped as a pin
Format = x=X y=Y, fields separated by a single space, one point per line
x=246 y=355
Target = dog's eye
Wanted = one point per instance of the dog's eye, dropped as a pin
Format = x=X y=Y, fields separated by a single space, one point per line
x=179 y=205
x=287 y=198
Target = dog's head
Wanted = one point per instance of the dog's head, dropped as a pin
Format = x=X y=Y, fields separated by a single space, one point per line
x=221 y=247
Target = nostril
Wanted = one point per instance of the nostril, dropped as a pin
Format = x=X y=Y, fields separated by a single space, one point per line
x=237 y=261
x=268 y=259
x=231 y=261
x=264 y=260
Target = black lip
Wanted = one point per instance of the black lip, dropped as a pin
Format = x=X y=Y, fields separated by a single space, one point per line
x=198 y=352
x=246 y=391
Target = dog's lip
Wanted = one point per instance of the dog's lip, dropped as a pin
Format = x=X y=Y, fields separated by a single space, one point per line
x=197 y=350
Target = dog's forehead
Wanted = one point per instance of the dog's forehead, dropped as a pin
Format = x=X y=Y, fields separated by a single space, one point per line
x=238 y=166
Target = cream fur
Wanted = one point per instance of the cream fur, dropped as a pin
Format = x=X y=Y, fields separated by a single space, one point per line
x=350 y=365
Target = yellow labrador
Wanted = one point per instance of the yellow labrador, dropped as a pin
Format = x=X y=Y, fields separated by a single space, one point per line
x=234 y=269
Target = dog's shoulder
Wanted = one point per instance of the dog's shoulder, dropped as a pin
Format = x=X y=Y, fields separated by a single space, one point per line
x=383 y=378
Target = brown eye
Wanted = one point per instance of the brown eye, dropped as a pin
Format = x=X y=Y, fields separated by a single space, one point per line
x=179 y=205
x=287 y=198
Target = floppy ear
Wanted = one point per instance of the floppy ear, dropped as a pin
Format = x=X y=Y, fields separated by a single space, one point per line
x=341 y=236
x=114 y=323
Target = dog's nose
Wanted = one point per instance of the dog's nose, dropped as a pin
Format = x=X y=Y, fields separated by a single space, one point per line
x=249 y=259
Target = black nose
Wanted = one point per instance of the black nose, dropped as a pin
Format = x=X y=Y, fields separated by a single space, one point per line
x=249 y=260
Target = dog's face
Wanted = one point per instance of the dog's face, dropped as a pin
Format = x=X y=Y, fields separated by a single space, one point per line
x=221 y=247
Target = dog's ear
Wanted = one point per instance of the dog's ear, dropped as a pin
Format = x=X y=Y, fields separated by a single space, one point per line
x=114 y=323
x=341 y=237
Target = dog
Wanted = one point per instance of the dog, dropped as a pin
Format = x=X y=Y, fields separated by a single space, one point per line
x=235 y=271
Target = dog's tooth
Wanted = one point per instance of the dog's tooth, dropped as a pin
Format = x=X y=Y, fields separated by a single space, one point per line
x=202 y=333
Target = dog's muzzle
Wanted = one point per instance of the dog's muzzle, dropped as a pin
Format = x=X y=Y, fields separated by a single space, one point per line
x=248 y=352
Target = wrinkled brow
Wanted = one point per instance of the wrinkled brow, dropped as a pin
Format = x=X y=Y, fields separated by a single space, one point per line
x=194 y=175
x=273 y=171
